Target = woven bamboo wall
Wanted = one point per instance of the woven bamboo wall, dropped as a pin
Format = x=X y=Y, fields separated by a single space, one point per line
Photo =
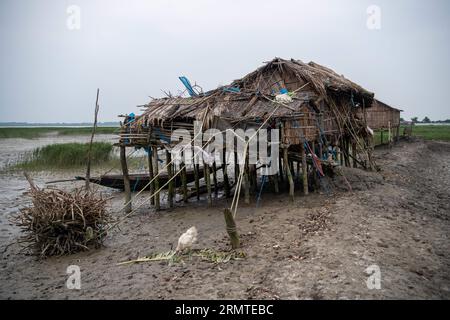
x=380 y=116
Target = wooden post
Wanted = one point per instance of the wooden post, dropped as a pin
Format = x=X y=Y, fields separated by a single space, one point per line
x=126 y=179
x=236 y=167
x=88 y=169
x=170 y=192
x=304 y=170
x=226 y=181
x=216 y=189
x=208 y=182
x=381 y=136
x=354 y=154
x=246 y=181
x=151 y=175
x=274 y=179
x=288 y=173
x=231 y=229
x=156 y=172
x=347 y=152
x=280 y=169
x=197 y=179
x=389 y=134
x=253 y=177
x=184 y=179
x=196 y=172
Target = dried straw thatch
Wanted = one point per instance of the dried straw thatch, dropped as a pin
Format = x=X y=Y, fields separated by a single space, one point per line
x=251 y=101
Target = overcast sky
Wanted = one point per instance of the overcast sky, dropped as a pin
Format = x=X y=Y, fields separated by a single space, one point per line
x=49 y=72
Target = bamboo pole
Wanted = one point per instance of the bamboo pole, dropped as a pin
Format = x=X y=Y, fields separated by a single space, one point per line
x=126 y=179
x=197 y=180
x=274 y=179
x=231 y=229
x=156 y=181
x=216 y=190
x=196 y=172
x=288 y=173
x=226 y=181
x=304 y=170
x=151 y=174
x=94 y=127
x=208 y=182
x=236 y=166
x=184 y=180
x=246 y=181
x=169 y=176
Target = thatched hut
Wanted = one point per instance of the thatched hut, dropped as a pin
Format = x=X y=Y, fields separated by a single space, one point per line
x=319 y=117
x=382 y=117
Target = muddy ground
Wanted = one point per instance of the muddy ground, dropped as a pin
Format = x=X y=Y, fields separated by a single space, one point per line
x=315 y=248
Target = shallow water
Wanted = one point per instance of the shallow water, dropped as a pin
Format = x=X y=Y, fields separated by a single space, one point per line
x=13 y=184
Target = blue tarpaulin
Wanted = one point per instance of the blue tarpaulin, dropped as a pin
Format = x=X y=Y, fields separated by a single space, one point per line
x=188 y=86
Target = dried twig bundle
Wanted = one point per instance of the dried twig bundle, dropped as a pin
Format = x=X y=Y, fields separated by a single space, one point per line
x=60 y=222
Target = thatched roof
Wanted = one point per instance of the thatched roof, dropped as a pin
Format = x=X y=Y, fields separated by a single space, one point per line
x=257 y=89
x=378 y=102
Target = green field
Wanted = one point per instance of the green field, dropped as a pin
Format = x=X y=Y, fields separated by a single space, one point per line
x=432 y=132
x=427 y=132
x=66 y=155
x=36 y=132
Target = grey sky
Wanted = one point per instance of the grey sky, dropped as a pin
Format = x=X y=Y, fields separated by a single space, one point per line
x=132 y=49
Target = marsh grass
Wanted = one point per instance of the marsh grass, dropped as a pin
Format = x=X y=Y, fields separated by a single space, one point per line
x=36 y=132
x=65 y=155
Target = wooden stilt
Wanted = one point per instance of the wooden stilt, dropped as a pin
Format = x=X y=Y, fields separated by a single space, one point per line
x=170 y=192
x=126 y=178
x=236 y=167
x=196 y=167
x=354 y=154
x=253 y=177
x=280 y=169
x=226 y=181
x=274 y=179
x=184 y=181
x=304 y=170
x=151 y=175
x=347 y=152
x=246 y=181
x=231 y=229
x=288 y=173
x=208 y=182
x=156 y=182
x=197 y=180
x=216 y=189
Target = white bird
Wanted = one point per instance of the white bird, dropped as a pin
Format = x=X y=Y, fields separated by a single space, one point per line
x=187 y=239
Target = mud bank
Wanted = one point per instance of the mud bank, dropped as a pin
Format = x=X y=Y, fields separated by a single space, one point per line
x=315 y=248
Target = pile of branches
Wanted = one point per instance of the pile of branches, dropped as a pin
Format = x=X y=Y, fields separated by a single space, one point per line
x=60 y=222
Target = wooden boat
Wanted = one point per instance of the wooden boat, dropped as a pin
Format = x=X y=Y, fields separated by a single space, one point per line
x=139 y=181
